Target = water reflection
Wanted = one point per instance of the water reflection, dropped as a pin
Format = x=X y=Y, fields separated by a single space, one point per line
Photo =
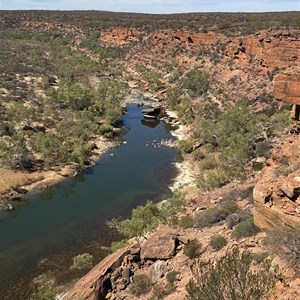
x=152 y=123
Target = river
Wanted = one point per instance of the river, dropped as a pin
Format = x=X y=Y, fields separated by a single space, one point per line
x=68 y=219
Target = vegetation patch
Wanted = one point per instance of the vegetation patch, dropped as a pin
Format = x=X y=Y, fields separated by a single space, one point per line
x=246 y=228
x=285 y=243
x=192 y=248
x=82 y=261
x=141 y=285
x=218 y=241
x=211 y=216
x=231 y=277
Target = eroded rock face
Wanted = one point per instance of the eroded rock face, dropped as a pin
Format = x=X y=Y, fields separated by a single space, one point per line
x=120 y=36
x=96 y=284
x=287 y=86
x=277 y=193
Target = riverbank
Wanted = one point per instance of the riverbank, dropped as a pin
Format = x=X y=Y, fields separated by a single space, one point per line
x=186 y=169
x=69 y=218
x=14 y=185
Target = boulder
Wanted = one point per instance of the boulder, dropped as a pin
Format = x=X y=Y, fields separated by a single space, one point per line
x=262 y=193
x=161 y=245
x=157 y=270
x=291 y=187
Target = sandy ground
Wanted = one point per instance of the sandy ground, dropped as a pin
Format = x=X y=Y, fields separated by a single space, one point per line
x=10 y=178
x=186 y=169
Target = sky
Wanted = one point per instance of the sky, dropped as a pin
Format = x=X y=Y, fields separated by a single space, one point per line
x=156 y=6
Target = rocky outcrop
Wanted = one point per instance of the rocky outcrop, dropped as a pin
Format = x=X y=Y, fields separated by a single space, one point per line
x=287 y=85
x=96 y=284
x=161 y=245
x=120 y=36
x=114 y=274
x=277 y=193
x=47 y=26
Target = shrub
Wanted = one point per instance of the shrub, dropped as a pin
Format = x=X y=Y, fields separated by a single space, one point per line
x=118 y=245
x=217 y=242
x=186 y=222
x=231 y=206
x=171 y=276
x=43 y=287
x=186 y=146
x=211 y=216
x=262 y=149
x=82 y=261
x=141 y=284
x=161 y=291
x=146 y=218
x=235 y=219
x=285 y=243
x=245 y=229
x=196 y=81
x=211 y=180
x=192 y=248
x=231 y=277
x=208 y=163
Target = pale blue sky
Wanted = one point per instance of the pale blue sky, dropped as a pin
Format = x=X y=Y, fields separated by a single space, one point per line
x=157 y=6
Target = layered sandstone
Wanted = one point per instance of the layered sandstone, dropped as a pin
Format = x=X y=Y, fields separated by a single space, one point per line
x=287 y=85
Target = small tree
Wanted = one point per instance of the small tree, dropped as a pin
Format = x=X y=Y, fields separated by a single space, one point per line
x=82 y=261
x=43 y=287
x=231 y=277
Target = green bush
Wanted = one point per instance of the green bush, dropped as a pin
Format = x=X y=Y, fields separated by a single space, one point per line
x=161 y=291
x=245 y=229
x=147 y=218
x=262 y=149
x=208 y=163
x=43 y=287
x=73 y=95
x=171 y=276
x=197 y=81
x=231 y=206
x=82 y=261
x=192 y=248
x=186 y=222
x=212 y=179
x=141 y=285
x=186 y=146
x=217 y=242
x=231 y=277
x=118 y=245
x=211 y=217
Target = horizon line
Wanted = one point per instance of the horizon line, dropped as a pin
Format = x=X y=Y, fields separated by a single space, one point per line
x=145 y=13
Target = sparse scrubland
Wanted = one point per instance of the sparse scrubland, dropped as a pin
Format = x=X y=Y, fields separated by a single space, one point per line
x=62 y=85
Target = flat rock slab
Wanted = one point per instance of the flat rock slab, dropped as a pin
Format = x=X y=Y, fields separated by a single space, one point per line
x=161 y=245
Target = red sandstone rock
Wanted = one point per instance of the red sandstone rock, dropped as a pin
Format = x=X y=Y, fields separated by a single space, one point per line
x=287 y=85
x=92 y=285
x=161 y=245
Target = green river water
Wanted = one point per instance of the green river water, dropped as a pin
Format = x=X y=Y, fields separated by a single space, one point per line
x=69 y=219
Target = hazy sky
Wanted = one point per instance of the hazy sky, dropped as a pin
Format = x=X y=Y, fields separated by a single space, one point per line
x=157 y=6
